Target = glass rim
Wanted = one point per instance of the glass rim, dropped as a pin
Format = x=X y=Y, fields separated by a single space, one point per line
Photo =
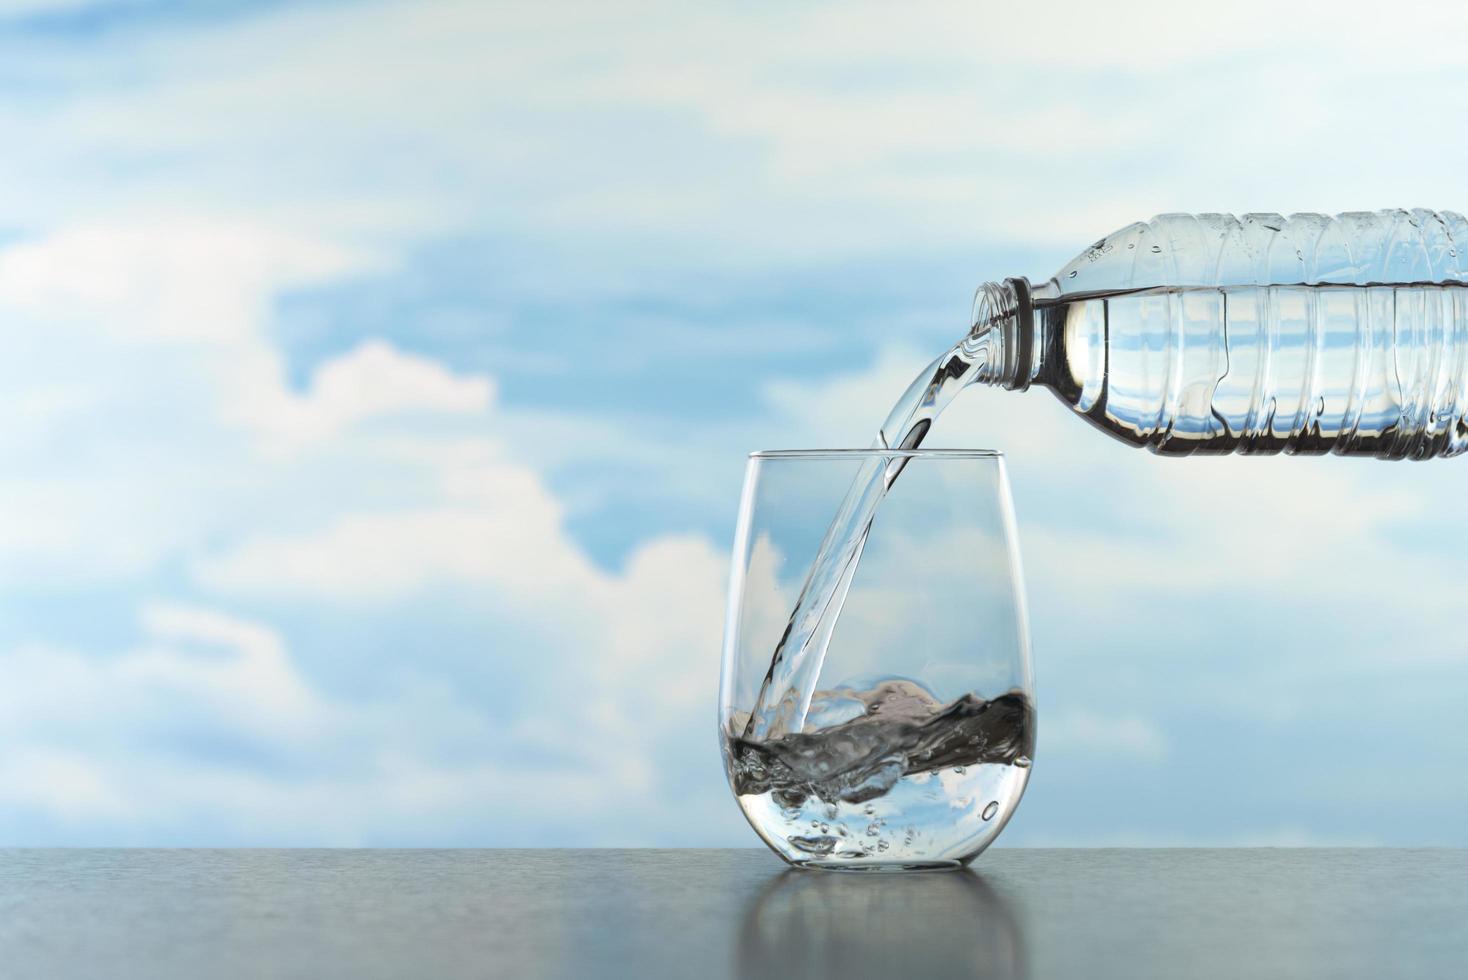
x=886 y=453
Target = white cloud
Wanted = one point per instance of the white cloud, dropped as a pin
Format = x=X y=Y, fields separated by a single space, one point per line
x=62 y=785
x=374 y=381
x=124 y=746
x=379 y=483
x=651 y=631
x=162 y=279
x=394 y=490
x=858 y=129
x=140 y=353
x=162 y=430
x=509 y=544
x=193 y=662
x=252 y=683
x=78 y=729
x=1082 y=733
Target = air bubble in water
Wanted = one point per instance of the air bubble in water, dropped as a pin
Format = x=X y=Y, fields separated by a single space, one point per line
x=959 y=770
x=1023 y=761
x=991 y=809
x=869 y=809
x=873 y=830
x=1157 y=248
x=1072 y=274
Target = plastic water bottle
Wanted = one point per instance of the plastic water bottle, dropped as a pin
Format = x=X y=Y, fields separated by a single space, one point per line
x=1212 y=333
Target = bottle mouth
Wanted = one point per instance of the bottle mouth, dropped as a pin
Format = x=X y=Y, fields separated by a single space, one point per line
x=1003 y=317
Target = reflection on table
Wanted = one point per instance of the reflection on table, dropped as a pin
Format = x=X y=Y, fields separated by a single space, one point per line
x=833 y=924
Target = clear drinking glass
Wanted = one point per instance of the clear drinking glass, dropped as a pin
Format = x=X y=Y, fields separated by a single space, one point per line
x=919 y=735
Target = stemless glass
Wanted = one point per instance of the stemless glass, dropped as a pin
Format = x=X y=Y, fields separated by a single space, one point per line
x=919 y=735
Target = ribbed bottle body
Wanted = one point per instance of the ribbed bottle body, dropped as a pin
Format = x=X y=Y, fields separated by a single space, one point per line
x=1261 y=334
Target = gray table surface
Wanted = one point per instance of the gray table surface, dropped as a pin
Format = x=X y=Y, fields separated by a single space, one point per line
x=728 y=913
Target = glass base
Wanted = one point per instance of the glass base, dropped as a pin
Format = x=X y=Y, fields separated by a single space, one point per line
x=877 y=867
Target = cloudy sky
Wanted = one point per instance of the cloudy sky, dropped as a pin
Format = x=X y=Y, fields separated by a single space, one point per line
x=378 y=378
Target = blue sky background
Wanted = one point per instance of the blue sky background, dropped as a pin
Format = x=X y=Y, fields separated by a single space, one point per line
x=378 y=379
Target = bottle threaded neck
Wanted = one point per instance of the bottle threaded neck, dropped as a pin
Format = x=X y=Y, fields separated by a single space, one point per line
x=1003 y=319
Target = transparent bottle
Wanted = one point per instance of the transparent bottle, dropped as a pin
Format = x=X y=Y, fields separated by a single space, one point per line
x=1212 y=333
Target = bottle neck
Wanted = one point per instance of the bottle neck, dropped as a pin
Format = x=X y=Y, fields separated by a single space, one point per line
x=1004 y=320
